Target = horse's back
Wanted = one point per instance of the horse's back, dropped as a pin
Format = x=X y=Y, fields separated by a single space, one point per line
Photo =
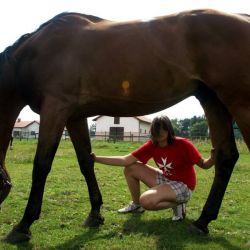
x=91 y=52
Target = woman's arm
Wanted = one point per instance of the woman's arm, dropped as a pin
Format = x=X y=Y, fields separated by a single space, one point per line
x=207 y=163
x=115 y=160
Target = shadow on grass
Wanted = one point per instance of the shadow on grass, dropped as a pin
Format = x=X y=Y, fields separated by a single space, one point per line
x=169 y=235
x=172 y=235
x=21 y=246
x=77 y=242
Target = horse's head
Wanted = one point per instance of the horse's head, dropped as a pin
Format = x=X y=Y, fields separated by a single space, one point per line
x=5 y=184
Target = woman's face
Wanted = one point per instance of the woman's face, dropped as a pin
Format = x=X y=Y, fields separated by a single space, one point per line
x=162 y=137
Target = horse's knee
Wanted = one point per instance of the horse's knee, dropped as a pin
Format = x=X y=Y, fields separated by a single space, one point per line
x=42 y=168
x=225 y=162
x=86 y=163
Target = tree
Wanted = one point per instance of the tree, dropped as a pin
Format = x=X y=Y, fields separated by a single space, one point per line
x=191 y=127
x=176 y=127
x=184 y=126
x=199 y=129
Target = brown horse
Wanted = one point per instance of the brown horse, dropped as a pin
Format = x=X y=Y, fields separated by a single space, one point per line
x=75 y=66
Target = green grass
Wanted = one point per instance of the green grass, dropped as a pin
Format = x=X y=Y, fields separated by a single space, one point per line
x=66 y=205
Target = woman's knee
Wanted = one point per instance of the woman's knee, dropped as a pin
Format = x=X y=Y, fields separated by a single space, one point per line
x=129 y=170
x=146 y=202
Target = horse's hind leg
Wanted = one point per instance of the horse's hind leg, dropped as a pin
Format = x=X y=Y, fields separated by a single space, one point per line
x=242 y=118
x=79 y=134
x=221 y=131
x=53 y=120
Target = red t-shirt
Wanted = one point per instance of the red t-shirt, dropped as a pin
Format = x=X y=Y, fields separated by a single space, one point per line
x=175 y=160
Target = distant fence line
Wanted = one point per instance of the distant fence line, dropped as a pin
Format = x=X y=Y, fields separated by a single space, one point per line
x=125 y=136
x=134 y=137
x=104 y=136
x=107 y=136
x=23 y=135
x=141 y=137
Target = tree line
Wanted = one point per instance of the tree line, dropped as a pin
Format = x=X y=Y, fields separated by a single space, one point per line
x=197 y=127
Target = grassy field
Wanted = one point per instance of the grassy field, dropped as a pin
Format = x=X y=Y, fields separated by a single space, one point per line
x=66 y=204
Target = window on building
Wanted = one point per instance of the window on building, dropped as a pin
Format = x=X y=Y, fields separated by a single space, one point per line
x=116 y=120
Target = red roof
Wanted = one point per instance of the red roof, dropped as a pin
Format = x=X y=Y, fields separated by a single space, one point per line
x=144 y=119
x=23 y=124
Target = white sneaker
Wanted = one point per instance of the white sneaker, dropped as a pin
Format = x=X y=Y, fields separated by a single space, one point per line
x=179 y=212
x=132 y=207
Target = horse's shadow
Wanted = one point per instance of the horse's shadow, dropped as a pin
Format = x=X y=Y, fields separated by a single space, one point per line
x=23 y=246
x=169 y=234
x=77 y=242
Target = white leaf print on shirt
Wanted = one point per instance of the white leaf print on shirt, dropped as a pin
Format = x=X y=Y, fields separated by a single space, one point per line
x=164 y=166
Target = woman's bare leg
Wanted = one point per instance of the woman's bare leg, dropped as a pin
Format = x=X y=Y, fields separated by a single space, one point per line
x=158 y=197
x=139 y=172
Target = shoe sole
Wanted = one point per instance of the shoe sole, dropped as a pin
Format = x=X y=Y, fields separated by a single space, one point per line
x=132 y=211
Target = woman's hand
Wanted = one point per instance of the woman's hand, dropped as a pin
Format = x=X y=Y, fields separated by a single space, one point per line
x=212 y=155
x=93 y=156
x=208 y=163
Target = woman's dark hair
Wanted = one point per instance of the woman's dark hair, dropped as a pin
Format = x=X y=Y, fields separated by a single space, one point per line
x=164 y=123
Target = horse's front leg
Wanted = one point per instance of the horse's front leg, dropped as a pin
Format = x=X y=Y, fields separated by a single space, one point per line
x=50 y=132
x=222 y=136
x=79 y=134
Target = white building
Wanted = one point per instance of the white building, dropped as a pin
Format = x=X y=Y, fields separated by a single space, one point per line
x=25 y=129
x=122 y=128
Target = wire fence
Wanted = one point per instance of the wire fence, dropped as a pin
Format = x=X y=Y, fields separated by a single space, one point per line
x=113 y=137
x=30 y=135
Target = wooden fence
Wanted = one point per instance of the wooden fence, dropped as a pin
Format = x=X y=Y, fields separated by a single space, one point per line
x=126 y=136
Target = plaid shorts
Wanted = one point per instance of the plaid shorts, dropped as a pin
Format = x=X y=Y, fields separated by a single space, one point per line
x=183 y=193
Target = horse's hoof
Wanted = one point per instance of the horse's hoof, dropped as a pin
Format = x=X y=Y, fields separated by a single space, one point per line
x=93 y=220
x=17 y=236
x=198 y=229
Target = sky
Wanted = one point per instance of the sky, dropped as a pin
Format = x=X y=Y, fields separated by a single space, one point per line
x=20 y=17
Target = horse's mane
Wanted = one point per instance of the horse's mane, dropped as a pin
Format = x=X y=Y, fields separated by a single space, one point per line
x=6 y=55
